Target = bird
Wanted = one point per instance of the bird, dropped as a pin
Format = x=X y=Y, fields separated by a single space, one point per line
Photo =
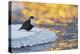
x=28 y=24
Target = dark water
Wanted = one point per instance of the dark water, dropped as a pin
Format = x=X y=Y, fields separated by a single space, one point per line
x=35 y=48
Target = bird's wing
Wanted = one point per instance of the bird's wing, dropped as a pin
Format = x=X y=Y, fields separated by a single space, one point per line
x=26 y=23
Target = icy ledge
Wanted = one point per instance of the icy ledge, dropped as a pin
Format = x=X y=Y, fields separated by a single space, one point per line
x=33 y=37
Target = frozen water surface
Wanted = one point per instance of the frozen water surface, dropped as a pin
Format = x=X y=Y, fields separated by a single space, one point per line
x=33 y=37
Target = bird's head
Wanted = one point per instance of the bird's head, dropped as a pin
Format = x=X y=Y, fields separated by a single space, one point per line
x=31 y=17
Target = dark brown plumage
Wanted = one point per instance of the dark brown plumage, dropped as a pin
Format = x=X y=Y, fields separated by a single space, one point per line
x=27 y=24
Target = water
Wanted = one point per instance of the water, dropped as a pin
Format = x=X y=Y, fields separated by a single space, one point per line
x=35 y=40
x=35 y=48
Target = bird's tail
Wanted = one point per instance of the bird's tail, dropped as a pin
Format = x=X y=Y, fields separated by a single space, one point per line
x=19 y=29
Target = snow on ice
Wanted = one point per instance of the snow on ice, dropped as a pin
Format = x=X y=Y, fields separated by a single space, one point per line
x=33 y=37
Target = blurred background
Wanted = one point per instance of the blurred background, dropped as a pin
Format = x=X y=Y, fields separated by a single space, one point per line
x=53 y=13
x=45 y=14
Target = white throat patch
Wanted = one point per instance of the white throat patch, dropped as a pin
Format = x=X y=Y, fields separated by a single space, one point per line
x=32 y=22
